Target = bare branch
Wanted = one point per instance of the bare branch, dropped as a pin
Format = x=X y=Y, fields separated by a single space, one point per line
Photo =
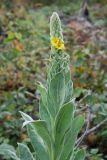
x=96 y=127
x=88 y=131
x=84 y=134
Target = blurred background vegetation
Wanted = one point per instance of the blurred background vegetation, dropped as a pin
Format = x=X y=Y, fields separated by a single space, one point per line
x=24 y=53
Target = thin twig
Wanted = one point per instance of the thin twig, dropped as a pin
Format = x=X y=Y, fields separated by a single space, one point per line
x=96 y=127
x=82 y=109
x=32 y=95
x=87 y=132
x=84 y=134
x=85 y=96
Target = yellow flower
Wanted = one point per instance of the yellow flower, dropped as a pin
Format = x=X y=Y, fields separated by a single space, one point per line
x=57 y=43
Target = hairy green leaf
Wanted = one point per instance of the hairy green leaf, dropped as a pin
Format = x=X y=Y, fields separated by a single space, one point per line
x=68 y=87
x=63 y=123
x=37 y=143
x=44 y=114
x=42 y=130
x=43 y=93
x=80 y=155
x=71 y=136
x=8 y=151
x=24 y=152
x=56 y=93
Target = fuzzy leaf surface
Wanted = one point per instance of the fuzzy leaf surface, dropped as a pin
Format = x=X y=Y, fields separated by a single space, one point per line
x=71 y=136
x=56 y=93
x=24 y=152
x=63 y=123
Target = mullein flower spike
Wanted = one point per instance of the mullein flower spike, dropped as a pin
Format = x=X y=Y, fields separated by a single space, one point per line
x=54 y=136
x=55 y=27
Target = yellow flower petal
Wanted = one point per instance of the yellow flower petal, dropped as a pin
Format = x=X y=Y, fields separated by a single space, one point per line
x=57 y=43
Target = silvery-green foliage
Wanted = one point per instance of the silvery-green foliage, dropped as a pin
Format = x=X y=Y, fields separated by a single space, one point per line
x=8 y=151
x=53 y=137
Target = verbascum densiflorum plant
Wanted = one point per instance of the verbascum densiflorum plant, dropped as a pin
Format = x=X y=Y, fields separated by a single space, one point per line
x=54 y=135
